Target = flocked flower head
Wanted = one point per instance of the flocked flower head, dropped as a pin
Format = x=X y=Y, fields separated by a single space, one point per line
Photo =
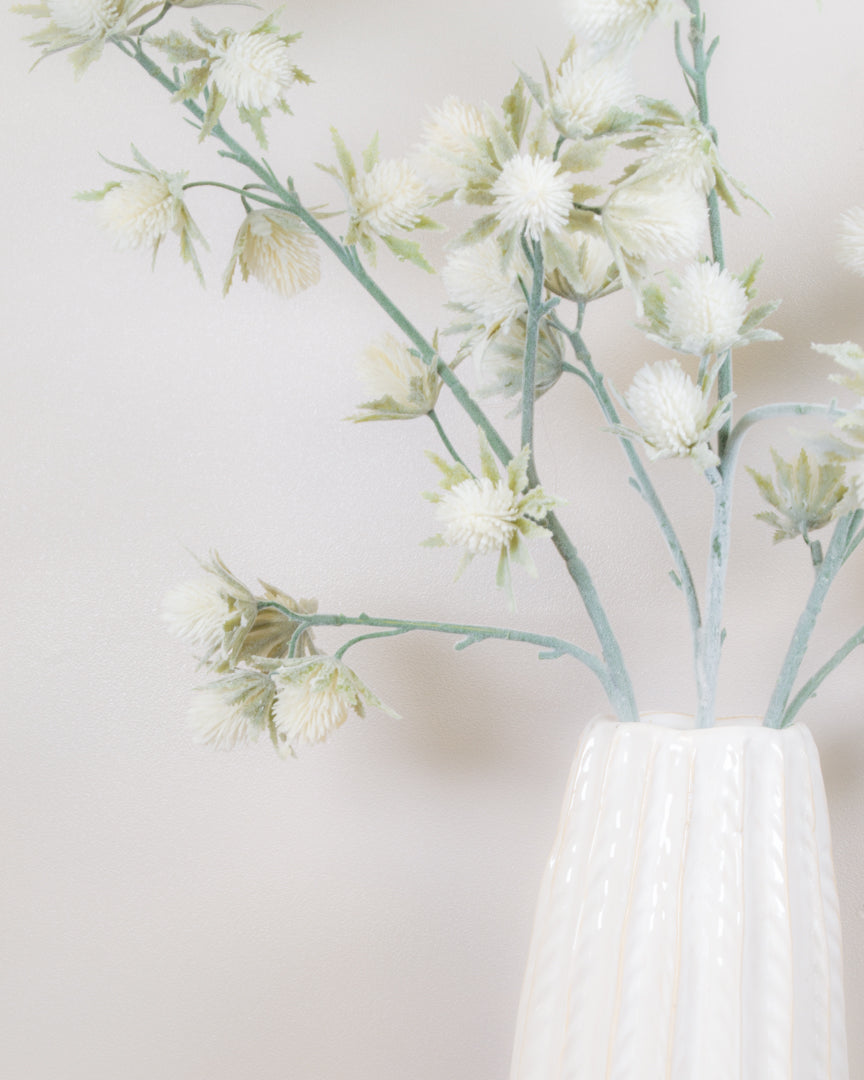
x=481 y=280
x=142 y=210
x=385 y=200
x=579 y=262
x=451 y=137
x=85 y=18
x=532 y=194
x=612 y=24
x=499 y=362
x=389 y=197
x=233 y=710
x=81 y=25
x=252 y=70
x=588 y=93
x=675 y=416
x=705 y=310
x=402 y=385
x=277 y=249
x=490 y=514
x=646 y=221
x=807 y=495
x=850 y=248
x=212 y=614
x=314 y=697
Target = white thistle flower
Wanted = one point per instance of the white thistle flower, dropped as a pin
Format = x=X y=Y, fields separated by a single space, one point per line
x=612 y=24
x=647 y=222
x=478 y=278
x=232 y=711
x=276 y=249
x=212 y=614
x=706 y=309
x=675 y=416
x=252 y=70
x=390 y=196
x=479 y=515
x=450 y=138
x=401 y=383
x=533 y=194
x=85 y=18
x=141 y=211
x=586 y=91
x=314 y=697
x=850 y=251
x=490 y=513
x=683 y=154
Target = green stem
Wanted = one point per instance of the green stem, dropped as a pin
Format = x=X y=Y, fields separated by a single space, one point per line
x=368 y=637
x=244 y=193
x=831 y=564
x=433 y=416
x=532 y=332
x=643 y=483
x=552 y=646
x=808 y=690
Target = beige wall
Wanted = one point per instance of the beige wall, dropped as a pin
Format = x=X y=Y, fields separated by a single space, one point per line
x=170 y=913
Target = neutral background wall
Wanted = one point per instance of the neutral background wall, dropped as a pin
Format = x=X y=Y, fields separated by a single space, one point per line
x=171 y=913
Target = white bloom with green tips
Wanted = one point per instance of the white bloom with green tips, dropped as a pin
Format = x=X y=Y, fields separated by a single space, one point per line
x=490 y=514
x=314 y=697
x=402 y=384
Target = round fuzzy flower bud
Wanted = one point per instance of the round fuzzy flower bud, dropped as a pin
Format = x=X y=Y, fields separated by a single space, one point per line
x=314 y=697
x=657 y=222
x=532 y=194
x=390 y=196
x=706 y=310
x=450 y=142
x=479 y=515
x=500 y=363
x=253 y=70
x=851 y=241
x=140 y=211
x=611 y=24
x=402 y=385
x=85 y=18
x=476 y=277
x=232 y=711
x=278 y=250
x=586 y=91
x=674 y=415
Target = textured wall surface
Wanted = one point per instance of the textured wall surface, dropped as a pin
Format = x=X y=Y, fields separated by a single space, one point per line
x=172 y=913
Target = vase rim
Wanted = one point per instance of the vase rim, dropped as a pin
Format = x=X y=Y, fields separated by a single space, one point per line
x=676 y=721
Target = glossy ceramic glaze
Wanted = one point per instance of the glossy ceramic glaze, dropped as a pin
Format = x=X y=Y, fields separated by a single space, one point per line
x=687 y=926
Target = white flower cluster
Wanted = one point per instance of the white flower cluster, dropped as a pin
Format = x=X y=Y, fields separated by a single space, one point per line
x=278 y=250
x=607 y=25
x=675 y=416
x=272 y=677
x=402 y=384
x=252 y=70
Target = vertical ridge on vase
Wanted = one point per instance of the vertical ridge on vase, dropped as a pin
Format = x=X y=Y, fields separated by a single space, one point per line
x=542 y=1011
x=707 y=1024
x=831 y=909
x=649 y=962
x=811 y=1021
x=595 y=957
x=767 y=971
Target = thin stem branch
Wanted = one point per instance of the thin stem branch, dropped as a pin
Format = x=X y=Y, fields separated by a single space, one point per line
x=532 y=331
x=808 y=690
x=831 y=564
x=451 y=450
x=244 y=193
x=551 y=645
x=340 y=652
x=643 y=482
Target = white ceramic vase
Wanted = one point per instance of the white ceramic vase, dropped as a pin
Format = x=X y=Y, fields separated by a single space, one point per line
x=688 y=924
